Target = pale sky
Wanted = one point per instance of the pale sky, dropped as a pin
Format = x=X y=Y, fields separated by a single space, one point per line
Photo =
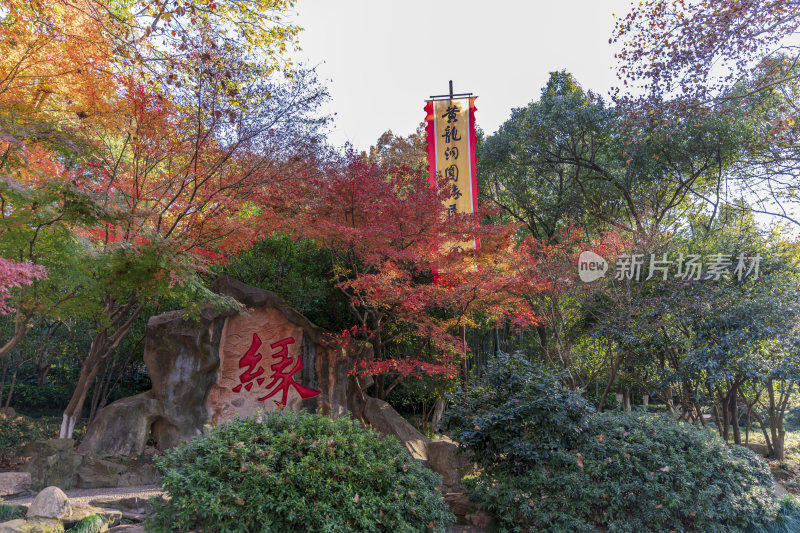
x=384 y=58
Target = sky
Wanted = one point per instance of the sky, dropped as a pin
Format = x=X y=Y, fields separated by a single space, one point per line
x=383 y=58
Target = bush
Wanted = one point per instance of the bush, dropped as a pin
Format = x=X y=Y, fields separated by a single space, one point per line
x=787 y=520
x=15 y=432
x=518 y=415
x=635 y=473
x=296 y=472
x=609 y=472
x=29 y=397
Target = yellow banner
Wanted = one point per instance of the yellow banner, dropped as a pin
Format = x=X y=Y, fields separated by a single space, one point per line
x=453 y=151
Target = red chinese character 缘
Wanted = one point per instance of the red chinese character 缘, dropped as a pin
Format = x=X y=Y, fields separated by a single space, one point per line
x=282 y=379
x=250 y=360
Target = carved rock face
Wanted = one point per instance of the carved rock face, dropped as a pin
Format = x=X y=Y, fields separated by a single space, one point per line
x=225 y=364
x=261 y=366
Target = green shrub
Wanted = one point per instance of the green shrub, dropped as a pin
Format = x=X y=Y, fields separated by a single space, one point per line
x=602 y=472
x=16 y=431
x=787 y=520
x=518 y=415
x=51 y=398
x=635 y=473
x=296 y=472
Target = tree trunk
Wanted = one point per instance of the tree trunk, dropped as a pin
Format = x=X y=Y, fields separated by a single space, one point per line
x=105 y=342
x=87 y=376
x=20 y=330
x=626 y=399
x=464 y=368
x=611 y=378
x=775 y=425
x=767 y=439
x=438 y=413
x=733 y=408
x=11 y=388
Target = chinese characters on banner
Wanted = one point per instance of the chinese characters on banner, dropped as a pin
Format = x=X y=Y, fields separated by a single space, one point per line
x=451 y=151
x=280 y=379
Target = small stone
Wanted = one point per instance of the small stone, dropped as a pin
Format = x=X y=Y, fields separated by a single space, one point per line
x=50 y=503
x=129 y=528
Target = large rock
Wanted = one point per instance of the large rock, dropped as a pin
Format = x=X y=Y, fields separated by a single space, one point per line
x=383 y=418
x=32 y=525
x=50 y=503
x=223 y=363
x=53 y=463
x=121 y=428
x=443 y=458
x=13 y=483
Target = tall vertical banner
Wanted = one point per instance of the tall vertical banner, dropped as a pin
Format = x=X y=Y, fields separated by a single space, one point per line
x=450 y=127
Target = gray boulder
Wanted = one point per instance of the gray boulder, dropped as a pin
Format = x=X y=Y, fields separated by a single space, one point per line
x=53 y=463
x=443 y=459
x=121 y=428
x=194 y=364
x=50 y=503
x=383 y=418
x=13 y=483
x=760 y=449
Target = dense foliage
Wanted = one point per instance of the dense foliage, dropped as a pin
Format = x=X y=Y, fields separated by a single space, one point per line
x=518 y=414
x=296 y=472
x=15 y=432
x=572 y=470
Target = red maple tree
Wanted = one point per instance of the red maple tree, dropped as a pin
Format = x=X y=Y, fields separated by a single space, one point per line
x=386 y=230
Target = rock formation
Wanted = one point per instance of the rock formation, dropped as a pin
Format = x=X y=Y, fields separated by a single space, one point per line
x=222 y=364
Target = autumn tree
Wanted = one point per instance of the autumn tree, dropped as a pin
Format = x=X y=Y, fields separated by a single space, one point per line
x=386 y=230
x=396 y=151
x=177 y=117
x=733 y=60
x=696 y=51
x=14 y=275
